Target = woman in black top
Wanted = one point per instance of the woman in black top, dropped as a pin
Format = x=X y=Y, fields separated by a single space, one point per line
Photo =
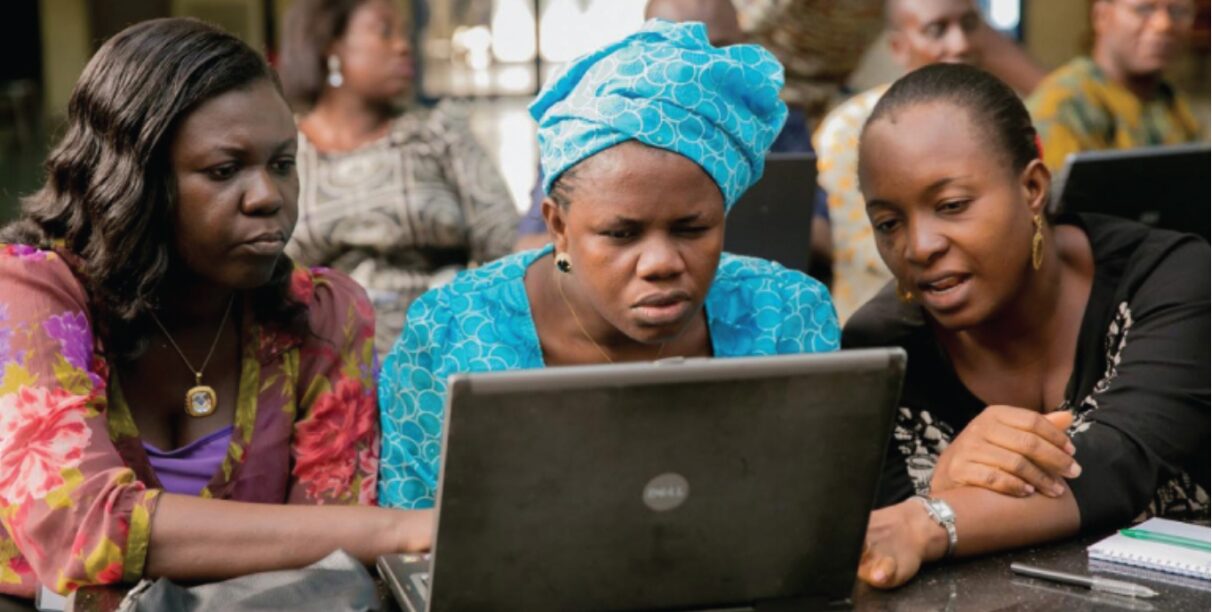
x=1058 y=373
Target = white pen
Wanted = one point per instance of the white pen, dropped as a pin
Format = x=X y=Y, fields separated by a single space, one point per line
x=1094 y=583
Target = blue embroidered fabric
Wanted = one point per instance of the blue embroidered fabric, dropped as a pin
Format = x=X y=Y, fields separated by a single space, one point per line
x=481 y=321
x=667 y=87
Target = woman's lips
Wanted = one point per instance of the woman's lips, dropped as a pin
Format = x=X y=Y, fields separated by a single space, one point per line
x=945 y=292
x=662 y=309
x=268 y=245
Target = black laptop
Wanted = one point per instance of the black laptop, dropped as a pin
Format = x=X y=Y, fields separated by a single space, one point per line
x=1166 y=187
x=773 y=219
x=684 y=484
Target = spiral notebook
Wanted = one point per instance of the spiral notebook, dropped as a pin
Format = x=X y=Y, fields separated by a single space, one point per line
x=1160 y=545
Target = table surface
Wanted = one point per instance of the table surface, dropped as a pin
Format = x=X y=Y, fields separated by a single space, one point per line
x=981 y=584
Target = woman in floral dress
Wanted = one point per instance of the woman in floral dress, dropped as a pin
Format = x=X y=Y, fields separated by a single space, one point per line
x=145 y=304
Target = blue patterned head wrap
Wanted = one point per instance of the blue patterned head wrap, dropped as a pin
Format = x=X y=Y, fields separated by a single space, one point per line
x=667 y=87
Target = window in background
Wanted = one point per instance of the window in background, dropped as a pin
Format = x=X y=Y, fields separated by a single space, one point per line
x=1006 y=16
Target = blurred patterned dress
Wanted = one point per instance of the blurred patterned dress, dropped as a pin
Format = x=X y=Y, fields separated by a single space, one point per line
x=1077 y=108
x=403 y=214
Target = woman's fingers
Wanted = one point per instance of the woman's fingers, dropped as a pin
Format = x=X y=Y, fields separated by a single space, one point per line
x=1034 y=422
x=1039 y=450
x=993 y=478
x=878 y=570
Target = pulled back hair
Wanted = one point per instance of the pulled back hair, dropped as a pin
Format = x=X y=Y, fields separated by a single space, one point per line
x=110 y=197
x=992 y=106
x=308 y=30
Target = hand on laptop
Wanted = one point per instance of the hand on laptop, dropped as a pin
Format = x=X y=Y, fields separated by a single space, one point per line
x=1013 y=451
x=415 y=530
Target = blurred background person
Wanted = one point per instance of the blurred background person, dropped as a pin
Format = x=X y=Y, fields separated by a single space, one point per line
x=920 y=32
x=401 y=201
x=1117 y=97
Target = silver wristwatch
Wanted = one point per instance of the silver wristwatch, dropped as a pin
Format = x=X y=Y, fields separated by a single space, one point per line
x=941 y=512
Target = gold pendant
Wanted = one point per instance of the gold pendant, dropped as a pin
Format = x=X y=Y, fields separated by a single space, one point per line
x=201 y=401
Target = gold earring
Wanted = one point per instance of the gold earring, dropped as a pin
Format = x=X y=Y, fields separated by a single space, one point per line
x=905 y=295
x=563 y=263
x=1037 y=242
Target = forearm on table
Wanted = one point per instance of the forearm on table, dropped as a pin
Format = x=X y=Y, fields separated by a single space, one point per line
x=986 y=521
x=206 y=539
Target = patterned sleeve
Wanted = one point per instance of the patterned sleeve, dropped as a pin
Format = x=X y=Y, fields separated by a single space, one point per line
x=1066 y=124
x=809 y=322
x=412 y=392
x=336 y=434
x=73 y=514
x=1142 y=435
x=493 y=218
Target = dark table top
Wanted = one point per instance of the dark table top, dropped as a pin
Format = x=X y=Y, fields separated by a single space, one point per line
x=977 y=585
x=987 y=584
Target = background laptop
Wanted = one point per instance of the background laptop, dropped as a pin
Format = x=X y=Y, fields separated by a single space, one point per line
x=1166 y=187
x=686 y=484
x=773 y=219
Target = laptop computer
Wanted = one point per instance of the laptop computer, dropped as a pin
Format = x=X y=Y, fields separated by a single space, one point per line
x=699 y=483
x=1165 y=187
x=773 y=219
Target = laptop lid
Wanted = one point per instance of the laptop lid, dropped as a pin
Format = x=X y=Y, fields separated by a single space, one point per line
x=691 y=483
x=1165 y=187
x=773 y=219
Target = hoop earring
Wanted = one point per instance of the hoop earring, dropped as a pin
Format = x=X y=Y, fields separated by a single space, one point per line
x=1037 y=242
x=903 y=294
x=335 y=79
x=563 y=263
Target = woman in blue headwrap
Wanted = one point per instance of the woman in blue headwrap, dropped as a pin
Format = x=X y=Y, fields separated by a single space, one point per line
x=646 y=144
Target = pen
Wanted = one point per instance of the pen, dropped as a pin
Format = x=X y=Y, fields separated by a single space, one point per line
x=1094 y=583
x=1165 y=538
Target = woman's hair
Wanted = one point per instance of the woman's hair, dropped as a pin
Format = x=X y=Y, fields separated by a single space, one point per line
x=309 y=29
x=992 y=106
x=110 y=196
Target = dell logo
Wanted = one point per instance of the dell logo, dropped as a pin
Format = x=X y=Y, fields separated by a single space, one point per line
x=666 y=492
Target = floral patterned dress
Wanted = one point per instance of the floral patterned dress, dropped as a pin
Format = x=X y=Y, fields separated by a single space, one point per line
x=76 y=490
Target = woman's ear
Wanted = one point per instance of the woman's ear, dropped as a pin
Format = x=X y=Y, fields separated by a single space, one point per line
x=557 y=228
x=1037 y=187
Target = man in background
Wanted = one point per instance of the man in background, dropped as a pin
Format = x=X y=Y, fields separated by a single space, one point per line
x=920 y=32
x=1116 y=98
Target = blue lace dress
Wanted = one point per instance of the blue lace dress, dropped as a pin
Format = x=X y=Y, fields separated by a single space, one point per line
x=481 y=321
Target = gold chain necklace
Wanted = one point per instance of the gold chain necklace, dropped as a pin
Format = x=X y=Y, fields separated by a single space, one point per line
x=200 y=400
x=560 y=285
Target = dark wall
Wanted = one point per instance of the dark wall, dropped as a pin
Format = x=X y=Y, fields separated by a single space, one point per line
x=20 y=42
x=108 y=17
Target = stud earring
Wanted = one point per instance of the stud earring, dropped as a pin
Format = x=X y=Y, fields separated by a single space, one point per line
x=1037 y=242
x=335 y=79
x=904 y=294
x=563 y=263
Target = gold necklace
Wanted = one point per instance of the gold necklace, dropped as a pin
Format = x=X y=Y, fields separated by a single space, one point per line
x=200 y=400
x=560 y=285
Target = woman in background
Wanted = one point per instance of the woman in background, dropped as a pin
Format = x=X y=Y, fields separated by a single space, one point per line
x=400 y=201
x=1058 y=374
x=178 y=399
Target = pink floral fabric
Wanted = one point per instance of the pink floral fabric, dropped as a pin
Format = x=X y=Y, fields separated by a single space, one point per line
x=76 y=490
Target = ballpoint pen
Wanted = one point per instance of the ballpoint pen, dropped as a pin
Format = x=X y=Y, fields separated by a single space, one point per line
x=1094 y=583
x=1165 y=538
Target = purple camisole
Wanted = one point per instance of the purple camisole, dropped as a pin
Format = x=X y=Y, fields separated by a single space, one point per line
x=186 y=470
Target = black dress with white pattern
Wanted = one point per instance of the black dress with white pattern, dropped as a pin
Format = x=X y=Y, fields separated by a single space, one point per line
x=1139 y=389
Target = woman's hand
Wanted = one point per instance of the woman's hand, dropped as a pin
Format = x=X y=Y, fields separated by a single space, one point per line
x=1013 y=451
x=899 y=539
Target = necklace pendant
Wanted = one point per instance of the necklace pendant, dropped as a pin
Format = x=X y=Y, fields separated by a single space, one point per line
x=201 y=401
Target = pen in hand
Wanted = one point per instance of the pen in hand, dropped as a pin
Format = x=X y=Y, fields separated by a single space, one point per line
x=1094 y=583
